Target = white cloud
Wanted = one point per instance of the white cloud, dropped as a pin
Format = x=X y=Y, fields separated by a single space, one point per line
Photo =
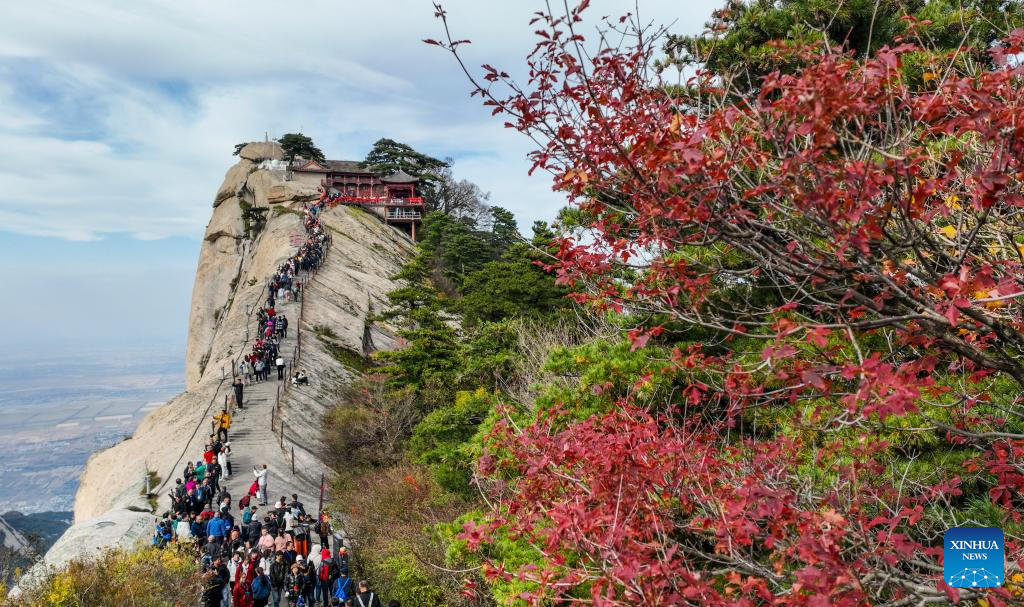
x=120 y=117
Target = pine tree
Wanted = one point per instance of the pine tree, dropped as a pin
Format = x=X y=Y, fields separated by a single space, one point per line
x=297 y=144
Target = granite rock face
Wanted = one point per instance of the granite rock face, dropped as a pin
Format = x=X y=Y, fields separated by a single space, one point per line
x=237 y=255
x=284 y=192
x=11 y=538
x=261 y=150
x=233 y=181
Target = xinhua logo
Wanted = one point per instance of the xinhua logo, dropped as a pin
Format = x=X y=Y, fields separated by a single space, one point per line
x=973 y=557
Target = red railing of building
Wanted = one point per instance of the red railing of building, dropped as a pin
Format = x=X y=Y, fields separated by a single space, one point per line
x=381 y=200
x=415 y=202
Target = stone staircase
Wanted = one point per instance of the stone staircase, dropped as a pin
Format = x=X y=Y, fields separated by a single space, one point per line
x=254 y=442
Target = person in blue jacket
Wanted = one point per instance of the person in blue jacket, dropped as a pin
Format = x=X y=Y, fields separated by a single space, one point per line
x=216 y=528
x=342 y=589
x=163 y=535
x=260 y=588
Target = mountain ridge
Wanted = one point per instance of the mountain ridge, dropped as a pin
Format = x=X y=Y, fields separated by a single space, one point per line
x=237 y=254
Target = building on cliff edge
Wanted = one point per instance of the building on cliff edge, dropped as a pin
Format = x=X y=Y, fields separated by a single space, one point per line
x=391 y=197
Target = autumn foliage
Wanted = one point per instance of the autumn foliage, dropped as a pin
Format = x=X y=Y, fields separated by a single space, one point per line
x=841 y=253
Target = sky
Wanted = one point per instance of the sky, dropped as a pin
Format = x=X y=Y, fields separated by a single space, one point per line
x=118 y=119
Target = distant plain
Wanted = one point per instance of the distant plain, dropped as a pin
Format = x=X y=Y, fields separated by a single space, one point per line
x=57 y=409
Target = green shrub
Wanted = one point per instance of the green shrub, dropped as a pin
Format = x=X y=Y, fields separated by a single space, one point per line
x=408 y=582
x=143 y=577
x=443 y=440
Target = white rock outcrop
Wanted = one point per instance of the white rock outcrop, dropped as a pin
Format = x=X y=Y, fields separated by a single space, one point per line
x=236 y=257
x=258 y=151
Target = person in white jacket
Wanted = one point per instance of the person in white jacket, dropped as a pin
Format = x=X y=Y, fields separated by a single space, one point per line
x=234 y=565
x=289 y=521
x=222 y=459
x=315 y=558
x=183 y=530
x=261 y=482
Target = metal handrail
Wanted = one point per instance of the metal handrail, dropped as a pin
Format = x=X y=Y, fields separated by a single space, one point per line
x=403 y=214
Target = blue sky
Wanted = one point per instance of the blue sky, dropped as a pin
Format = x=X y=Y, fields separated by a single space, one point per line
x=118 y=290
x=119 y=120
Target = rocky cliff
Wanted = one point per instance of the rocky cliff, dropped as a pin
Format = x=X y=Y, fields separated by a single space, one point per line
x=11 y=538
x=239 y=252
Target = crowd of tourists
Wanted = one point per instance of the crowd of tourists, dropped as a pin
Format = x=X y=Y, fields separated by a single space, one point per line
x=252 y=554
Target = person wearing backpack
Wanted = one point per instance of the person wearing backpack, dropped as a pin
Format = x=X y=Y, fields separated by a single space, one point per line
x=365 y=598
x=166 y=528
x=212 y=549
x=261 y=588
x=342 y=589
x=323 y=529
x=179 y=490
x=326 y=573
x=302 y=536
x=272 y=524
x=311 y=584
x=223 y=495
x=254 y=531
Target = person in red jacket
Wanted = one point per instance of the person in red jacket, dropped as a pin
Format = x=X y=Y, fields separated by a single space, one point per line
x=241 y=595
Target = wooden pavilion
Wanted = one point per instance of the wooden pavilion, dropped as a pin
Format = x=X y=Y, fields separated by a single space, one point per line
x=391 y=197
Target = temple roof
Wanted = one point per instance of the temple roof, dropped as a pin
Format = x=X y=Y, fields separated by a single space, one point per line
x=348 y=166
x=330 y=166
x=400 y=177
x=352 y=167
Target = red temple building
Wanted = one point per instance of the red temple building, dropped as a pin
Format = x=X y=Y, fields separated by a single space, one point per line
x=392 y=197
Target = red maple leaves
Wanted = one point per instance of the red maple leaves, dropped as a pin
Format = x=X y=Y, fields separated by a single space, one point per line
x=860 y=236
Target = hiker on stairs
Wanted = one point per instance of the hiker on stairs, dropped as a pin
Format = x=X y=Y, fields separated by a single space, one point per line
x=255 y=552
x=223 y=420
x=261 y=480
x=237 y=386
